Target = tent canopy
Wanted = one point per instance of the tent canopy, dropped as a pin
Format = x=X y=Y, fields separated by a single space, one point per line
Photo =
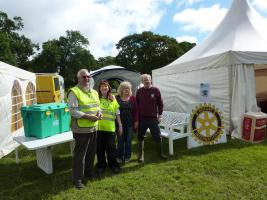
x=113 y=72
x=225 y=60
x=240 y=38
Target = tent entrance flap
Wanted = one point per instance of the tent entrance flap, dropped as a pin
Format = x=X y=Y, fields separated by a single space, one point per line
x=243 y=95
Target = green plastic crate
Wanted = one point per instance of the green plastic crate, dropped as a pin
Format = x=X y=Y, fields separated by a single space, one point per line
x=64 y=118
x=26 y=120
x=44 y=120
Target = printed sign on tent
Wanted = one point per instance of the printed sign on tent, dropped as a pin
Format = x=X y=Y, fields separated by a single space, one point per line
x=206 y=124
x=204 y=92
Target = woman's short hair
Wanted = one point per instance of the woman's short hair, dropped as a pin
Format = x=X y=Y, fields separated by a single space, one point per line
x=124 y=84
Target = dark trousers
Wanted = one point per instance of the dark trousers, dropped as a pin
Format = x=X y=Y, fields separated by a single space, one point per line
x=106 y=145
x=84 y=155
x=153 y=125
x=125 y=144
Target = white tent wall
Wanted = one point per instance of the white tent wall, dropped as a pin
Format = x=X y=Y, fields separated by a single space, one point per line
x=232 y=86
x=179 y=90
x=9 y=74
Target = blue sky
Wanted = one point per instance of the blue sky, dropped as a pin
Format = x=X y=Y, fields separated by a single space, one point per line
x=105 y=22
x=173 y=29
x=216 y=9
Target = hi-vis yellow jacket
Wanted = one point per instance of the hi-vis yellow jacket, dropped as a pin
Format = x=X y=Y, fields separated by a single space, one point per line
x=109 y=109
x=88 y=103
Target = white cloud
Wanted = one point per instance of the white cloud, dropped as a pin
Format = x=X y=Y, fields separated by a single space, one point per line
x=187 y=2
x=202 y=19
x=103 y=22
x=190 y=2
x=260 y=5
x=187 y=38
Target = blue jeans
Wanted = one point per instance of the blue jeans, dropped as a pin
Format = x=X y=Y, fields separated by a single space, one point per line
x=125 y=144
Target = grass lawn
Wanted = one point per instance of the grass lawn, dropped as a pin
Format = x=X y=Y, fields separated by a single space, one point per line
x=235 y=170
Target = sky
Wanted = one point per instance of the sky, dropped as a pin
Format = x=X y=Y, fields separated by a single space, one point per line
x=105 y=22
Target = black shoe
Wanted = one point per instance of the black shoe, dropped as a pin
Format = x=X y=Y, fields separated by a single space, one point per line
x=91 y=177
x=78 y=184
x=116 y=170
x=163 y=157
x=100 y=170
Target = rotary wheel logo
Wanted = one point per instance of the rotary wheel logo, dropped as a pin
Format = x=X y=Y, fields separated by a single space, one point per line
x=206 y=124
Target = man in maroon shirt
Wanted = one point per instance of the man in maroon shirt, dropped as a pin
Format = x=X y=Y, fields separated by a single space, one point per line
x=150 y=107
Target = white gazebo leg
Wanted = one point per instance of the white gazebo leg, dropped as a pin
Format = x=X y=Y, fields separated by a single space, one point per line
x=44 y=159
x=17 y=155
x=170 y=146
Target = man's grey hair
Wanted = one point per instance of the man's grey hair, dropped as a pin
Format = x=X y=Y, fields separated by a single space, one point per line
x=145 y=75
x=82 y=70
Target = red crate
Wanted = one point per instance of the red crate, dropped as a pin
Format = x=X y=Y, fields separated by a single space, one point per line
x=254 y=125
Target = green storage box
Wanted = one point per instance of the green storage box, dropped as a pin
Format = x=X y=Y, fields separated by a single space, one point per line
x=44 y=120
x=26 y=120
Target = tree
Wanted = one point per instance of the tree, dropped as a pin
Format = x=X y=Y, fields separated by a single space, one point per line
x=15 y=49
x=65 y=55
x=147 y=51
x=5 y=50
x=105 y=61
x=186 y=46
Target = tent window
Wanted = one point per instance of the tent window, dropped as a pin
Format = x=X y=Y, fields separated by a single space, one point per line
x=16 y=97
x=30 y=94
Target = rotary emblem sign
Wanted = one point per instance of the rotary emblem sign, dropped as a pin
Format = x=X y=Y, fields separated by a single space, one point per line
x=207 y=125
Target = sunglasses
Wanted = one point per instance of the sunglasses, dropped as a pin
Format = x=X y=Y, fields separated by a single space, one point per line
x=86 y=76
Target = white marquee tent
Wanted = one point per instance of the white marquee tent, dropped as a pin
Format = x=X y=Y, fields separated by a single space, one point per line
x=226 y=60
x=17 y=88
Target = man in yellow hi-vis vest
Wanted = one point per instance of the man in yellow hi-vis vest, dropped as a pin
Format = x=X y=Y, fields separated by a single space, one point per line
x=85 y=113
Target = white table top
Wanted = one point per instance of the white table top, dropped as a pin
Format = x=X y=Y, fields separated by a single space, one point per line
x=33 y=143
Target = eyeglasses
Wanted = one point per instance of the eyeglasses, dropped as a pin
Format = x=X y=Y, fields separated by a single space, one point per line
x=86 y=76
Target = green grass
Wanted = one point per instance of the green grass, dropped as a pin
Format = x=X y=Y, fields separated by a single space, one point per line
x=235 y=170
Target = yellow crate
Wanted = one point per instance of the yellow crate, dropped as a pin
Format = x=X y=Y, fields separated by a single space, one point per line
x=48 y=89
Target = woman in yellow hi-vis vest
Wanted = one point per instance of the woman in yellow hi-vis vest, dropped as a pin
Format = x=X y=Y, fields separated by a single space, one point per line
x=106 y=129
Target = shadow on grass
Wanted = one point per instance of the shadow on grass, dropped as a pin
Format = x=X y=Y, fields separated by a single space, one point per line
x=180 y=147
x=26 y=181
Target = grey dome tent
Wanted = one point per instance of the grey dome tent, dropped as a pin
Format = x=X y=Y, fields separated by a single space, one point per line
x=115 y=75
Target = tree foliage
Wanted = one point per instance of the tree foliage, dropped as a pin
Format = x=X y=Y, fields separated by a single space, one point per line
x=6 y=54
x=147 y=51
x=186 y=46
x=105 y=61
x=15 y=49
x=65 y=55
